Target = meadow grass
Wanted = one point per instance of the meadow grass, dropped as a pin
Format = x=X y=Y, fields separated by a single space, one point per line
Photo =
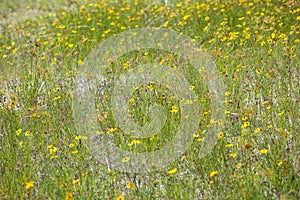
x=255 y=45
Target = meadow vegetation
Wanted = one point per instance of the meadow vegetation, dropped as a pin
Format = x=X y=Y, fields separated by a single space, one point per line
x=255 y=45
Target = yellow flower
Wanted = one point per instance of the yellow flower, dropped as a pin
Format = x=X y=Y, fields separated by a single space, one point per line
x=281 y=113
x=69 y=196
x=130 y=185
x=172 y=171
x=111 y=130
x=57 y=97
x=62 y=26
x=78 y=137
x=121 y=197
x=174 y=109
x=196 y=135
x=229 y=145
x=263 y=151
x=29 y=185
x=53 y=157
x=131 y=100
x=12 y=103
x=71 y=145
x=80 y=62
x=75 y=152
x=258 y=71
x=239 y=165
x=192 y=87
x=221 y=135
x=19 y=131
x=27 y=133
x=233 y=155
x=279 y=163
x=213 y=173
x=227 y=93
x=53 y=150
x=257 y=130
x=126 y=159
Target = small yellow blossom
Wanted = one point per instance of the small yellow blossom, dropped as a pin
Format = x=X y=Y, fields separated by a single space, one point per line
x=29 y=185
x=121 y=197
x=125 y=159
x=19 y=131
x=172 y=171
x=69 y=196
x=233 y=155
x=213 y=173
x=263 y=151
x=239 y=165
x=221 y=135
x=174 y=109
x=130 y=185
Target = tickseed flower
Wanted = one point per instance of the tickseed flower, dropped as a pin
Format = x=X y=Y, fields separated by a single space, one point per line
x=56 y=90
x=192 y=87
x=239 y=165
x=196 y=135
x=279 y=163
x=281 y=113
x=172 y=171
x=52 y=150
x=71 y=145
x=12 y=103
x=29 y=185
x=227 y=94
x=258 y=71
x=61 y=26
x=245 y=118
x=233 y=155
x=121 y=197
x=263 y=151
x=69 y=196
x=174 y=109
x=57 y=97
x=27 y=133
x=53 y=157
x=257 y=130
x=75 y=152
x=111 y=130
x=80 y=62
x=213 y=173
x=270 y=41
x=130 y=185
x=131 y=100
x=221 y=135
x=126 y=159
x=78 y=137
x=19 y=131
x=229 y=145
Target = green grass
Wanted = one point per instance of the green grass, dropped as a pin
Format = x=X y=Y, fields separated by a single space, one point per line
x=255 y=45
